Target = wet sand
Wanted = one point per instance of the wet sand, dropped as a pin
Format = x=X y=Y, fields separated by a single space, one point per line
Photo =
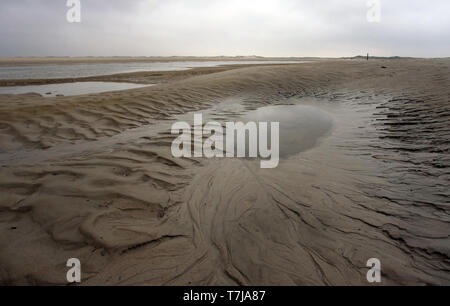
x=92 y=177
x=68 y=89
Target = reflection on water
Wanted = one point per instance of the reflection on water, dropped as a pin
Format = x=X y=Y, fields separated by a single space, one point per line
x=89 y=70
x=301 y=126
x=69 y=89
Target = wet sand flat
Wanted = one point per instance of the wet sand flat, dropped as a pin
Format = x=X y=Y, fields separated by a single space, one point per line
x=69 y=89
x=92 y=177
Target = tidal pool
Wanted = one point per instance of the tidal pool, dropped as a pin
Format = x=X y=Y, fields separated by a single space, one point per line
x=301 y=126
x=69 y=89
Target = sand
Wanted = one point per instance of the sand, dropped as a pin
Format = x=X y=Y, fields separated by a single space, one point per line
x=92 y=177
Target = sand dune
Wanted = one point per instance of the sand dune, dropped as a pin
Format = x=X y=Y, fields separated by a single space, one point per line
x=92 y=177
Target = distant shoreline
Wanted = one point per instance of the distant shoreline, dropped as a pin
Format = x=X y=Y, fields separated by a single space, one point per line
x=27 y=61
x=138 y=77
x=34 y=61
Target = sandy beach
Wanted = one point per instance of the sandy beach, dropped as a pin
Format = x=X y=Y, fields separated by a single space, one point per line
x=92 y=177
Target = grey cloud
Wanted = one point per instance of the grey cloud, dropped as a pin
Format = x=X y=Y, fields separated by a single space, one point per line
x=230 y=27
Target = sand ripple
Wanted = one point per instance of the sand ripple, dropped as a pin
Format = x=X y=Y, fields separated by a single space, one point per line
x=376 y=186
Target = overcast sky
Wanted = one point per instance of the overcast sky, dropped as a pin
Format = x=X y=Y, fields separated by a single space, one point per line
x=225 y=27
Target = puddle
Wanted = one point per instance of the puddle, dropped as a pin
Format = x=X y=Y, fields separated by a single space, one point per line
x=301 y=126
x=70 y=89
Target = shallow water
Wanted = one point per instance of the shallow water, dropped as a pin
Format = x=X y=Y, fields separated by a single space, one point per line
x=89 y=70
x=69 y=89
x=301 y=126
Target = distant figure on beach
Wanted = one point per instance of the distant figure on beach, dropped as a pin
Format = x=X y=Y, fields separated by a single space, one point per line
x=367 y=56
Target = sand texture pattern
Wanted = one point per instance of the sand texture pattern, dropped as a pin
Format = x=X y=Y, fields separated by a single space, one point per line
x=93 y=177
